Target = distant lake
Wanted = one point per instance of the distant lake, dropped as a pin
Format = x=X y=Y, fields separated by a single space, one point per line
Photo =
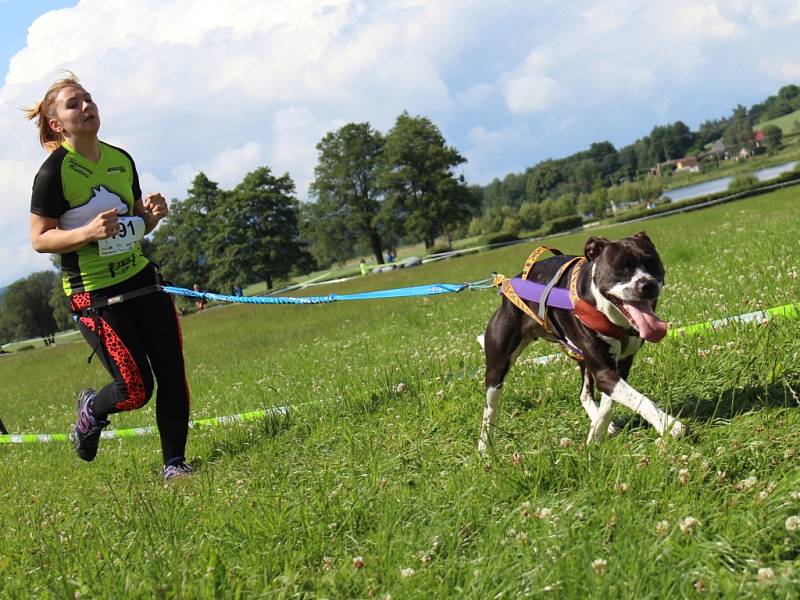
x=721 y=184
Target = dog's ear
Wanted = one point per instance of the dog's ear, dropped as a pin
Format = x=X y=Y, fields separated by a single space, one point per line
x=594 y=247
x=643 y=236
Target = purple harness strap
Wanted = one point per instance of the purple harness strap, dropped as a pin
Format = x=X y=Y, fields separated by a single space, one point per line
x=556 y=298
x=532 y=291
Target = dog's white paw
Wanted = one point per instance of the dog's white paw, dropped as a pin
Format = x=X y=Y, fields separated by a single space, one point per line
x=677 y=430
x=480 y=340
x=612 y=430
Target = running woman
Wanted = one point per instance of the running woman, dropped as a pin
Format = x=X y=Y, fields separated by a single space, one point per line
x=87 y=206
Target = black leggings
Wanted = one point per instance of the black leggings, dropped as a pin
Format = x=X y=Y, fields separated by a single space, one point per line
x=138 y=339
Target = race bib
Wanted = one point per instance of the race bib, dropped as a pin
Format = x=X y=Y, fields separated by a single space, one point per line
x=131 y=230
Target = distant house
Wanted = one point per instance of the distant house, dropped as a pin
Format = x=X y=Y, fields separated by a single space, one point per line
x=759 y=137
x=687 y=164
x=715 y=151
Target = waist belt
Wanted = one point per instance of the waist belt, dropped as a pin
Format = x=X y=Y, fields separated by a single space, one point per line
x=93 y=310
x=103 y=302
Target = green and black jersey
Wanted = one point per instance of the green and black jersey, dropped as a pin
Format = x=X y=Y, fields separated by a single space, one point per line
x=71 y=188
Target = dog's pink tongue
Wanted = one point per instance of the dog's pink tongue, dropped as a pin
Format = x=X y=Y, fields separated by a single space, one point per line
x=650 y=327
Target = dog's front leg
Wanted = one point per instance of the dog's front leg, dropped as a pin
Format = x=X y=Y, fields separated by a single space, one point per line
x=602 y=421
x=620 y=391
x=603 y=412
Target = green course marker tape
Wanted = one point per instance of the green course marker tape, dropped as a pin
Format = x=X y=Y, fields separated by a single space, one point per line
x=791 y=311
x=32 y=438
x=787 y=310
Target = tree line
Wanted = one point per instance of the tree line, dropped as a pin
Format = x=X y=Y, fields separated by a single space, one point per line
x=604 y=166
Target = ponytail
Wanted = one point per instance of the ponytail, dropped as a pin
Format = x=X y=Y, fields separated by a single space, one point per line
x=44 y=110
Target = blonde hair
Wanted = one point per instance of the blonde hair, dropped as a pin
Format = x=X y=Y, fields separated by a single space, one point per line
x=44 y=110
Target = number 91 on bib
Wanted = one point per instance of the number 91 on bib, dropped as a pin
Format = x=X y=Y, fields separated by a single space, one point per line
x=130 y=231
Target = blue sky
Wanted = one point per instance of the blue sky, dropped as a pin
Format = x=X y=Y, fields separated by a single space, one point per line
x=16 y=17
x=225 y=87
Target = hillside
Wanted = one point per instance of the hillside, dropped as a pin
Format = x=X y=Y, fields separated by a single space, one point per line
x=786 y=122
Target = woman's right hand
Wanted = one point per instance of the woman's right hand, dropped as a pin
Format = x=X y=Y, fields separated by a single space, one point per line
x=103 y=226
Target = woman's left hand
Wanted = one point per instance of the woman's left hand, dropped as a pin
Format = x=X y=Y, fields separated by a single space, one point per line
x=156 y=205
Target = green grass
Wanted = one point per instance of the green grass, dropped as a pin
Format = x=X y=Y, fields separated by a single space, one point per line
x=378 y=459
x=785 y=122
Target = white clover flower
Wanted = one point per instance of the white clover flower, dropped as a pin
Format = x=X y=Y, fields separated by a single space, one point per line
x=662 y=528
x=683 y=476
x=747 y=484
x=400 y=388
x=689 y=524
x=407 y=572
x=599 y=566
x=765 y=574
x=565 y=442
x=795 y=495
x=792 y=523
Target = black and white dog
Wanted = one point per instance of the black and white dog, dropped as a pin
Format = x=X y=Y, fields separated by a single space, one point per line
x=617 y=287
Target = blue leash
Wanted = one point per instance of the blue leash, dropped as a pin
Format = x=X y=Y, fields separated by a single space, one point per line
x=433 y=289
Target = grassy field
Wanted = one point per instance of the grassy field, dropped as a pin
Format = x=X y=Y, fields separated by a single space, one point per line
x=786 y=122
x=372 y=487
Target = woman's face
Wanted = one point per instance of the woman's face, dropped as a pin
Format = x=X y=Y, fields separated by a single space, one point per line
x=76 y=113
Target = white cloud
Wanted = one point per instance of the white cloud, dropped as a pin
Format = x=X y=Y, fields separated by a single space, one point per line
x=764 y=14
x=532 y=92
x=783 y=68
x=475 y=97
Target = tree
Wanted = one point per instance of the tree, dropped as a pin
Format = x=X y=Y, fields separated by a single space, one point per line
x=422 y=194
x=59 y=305
x=181 y=244
x=773 y=137
x=543 y=178
x=739 y=133
x=330 y=240
x=345 y=188
x=59 y=301
x=25 y=311
x=530 y=216
x=257 y=234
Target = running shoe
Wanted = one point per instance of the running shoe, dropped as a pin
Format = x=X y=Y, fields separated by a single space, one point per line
x=182 y=469
x=85 y=435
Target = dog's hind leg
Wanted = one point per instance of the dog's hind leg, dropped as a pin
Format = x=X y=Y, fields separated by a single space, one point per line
x=503 y=343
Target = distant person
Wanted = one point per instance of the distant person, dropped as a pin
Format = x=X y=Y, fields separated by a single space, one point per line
x=199 y=303
x=87 y=206
x=363 y=267
x=237 y=290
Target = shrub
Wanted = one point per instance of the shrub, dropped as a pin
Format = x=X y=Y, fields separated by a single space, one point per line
x=530 y=215
x=562 y=224
x=742 y=182
x=475 y=227
x=498 y=238
x=439 y=248
x=511 y=225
